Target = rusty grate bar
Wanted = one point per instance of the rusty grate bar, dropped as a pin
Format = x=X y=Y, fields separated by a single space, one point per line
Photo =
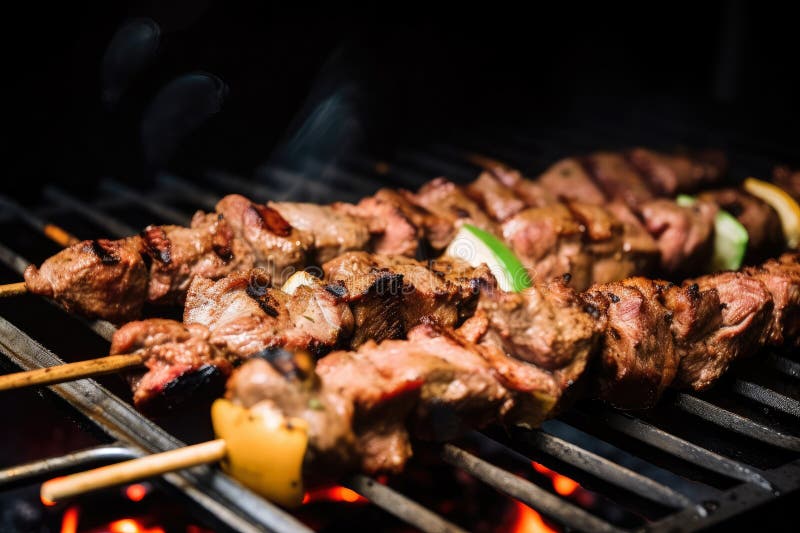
x=167 y=213
x=735 y=422
x=115 y=227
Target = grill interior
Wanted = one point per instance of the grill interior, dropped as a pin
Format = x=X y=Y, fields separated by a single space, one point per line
x=694 y=461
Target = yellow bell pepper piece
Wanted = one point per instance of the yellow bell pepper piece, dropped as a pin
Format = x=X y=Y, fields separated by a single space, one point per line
x=265 y=449
x=785 y=205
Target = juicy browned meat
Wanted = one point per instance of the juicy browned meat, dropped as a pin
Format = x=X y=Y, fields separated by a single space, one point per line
x=448 y=202
x=638 y=358
x=334 y=232
x=246 y=316
x=497 y=200
x=178 y=360
x=276 y=246
x=102 y=278
x=684 y=234
x=532 y=193
x=547 y=325
x=618 y=179
x=761 y=221
x=746 y=314
x=788 y=180
x=670 y=174
x=394 y=223
x=782 y=278
x=568 y=180
x=208 y=249
x=398 y=287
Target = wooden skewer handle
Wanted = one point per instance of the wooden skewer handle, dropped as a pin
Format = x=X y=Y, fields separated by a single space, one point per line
x=13 y=289
x=133 y=470
x=59 y=236
x=70 y=371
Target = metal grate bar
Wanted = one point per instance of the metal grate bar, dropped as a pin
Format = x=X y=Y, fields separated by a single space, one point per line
x=231 y=183
x=31 y=219
x=737 y=423
x=188 y=190
x=766 y=396
x=403 y=508
x=524 y=491
x=371 y=167
x=319 y=191
x=115 y=227
x=209 y=488
x=783 y=365
x=164 y=211
x=435 y=164
x=341 y=177
x=604 y=469
x=18 y=263
x=688 y=451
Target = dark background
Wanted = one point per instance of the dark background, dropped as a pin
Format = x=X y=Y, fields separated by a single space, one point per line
x=395 y=74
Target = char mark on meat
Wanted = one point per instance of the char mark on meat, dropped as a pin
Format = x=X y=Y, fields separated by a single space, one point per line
x=157 y=244
x=271 y=220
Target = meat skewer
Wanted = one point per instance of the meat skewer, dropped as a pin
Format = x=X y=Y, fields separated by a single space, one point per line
x=593 y=244
x=357 y=409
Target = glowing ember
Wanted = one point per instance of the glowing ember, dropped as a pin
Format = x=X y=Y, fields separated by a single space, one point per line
x=333 y=494
x=136 y=492
x=69 y=522
x=129 y=525
x=562 y=484
x=529 y=521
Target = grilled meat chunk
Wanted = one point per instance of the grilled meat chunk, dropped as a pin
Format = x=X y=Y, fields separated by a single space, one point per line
x=394 y=223
x=532 y=193
x=101 y=278
x=761 y=221
x=781 y=277
x=670 y=174
x=745 y=316
x=684 y=234
x=618 y=178
x=246 y=316
x=208 y=249
x=334 y=232
x=276 y=246
x=638 y=360
x=788 y=180
x=447 y=201
x=179 y=359
x=497 y=200
x=391 y=294
x=568 y=180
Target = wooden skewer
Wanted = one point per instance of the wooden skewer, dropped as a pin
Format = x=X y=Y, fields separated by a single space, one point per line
x=70 y=371
x=134 y=470
x=59 y=236
x=13 y=289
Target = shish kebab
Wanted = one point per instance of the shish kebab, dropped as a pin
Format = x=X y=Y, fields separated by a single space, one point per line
x=284 y=423
x=557 y=224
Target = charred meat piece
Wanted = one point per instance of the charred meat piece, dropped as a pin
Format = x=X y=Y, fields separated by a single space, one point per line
x=207 y=249
x=638 y=360
x=391 y=294
x=101 y=278
x=245 y=315
x=276 y=246
x=394 y=223
x=618 y=178
x=670 y=174
x=568 y=180
x=761 y=221
x=177 y=356
x=745 y=317
x=497 y=200
x=684 y=234
x=782 y=278
x=334 y=232
x=448 y=202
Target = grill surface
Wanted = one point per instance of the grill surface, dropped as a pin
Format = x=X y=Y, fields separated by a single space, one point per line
x=739 y=445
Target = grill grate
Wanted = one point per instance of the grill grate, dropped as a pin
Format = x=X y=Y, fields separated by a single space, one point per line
x=238 y=509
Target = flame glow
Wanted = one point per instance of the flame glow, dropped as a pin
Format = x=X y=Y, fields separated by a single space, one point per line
x=333 y=494
x=130 y=525
x=136 y=492
x=69 y=522
x=562 y=484
x=529 y=521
